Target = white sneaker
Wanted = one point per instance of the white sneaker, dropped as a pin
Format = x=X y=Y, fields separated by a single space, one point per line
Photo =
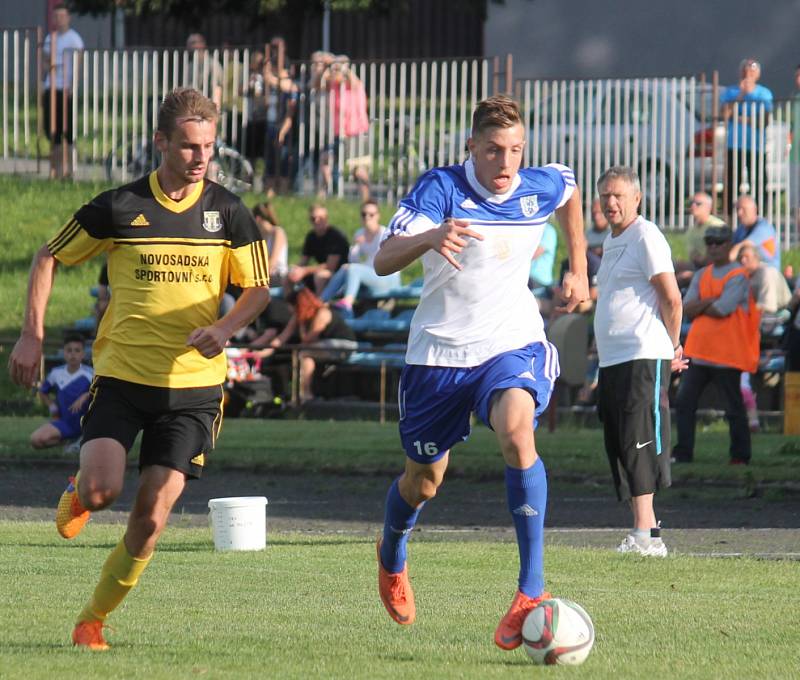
x=657 y=548
x=73 y=447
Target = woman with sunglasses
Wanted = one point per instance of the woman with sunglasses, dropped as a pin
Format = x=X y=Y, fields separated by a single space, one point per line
x=360 y=269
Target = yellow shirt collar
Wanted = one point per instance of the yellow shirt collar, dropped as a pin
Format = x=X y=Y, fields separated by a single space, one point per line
x=171 y=204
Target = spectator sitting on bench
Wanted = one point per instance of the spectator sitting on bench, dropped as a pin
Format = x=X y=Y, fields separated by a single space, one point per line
x=71 y=383
x=277 y=242
x=360 y=269
x=318 y=325
x=326 y=245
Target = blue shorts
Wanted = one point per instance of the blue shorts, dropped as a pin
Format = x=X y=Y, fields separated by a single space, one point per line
x=69 y=428
x=436 y=402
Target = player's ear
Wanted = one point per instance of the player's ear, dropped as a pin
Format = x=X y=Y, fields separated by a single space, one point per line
x=160 y=140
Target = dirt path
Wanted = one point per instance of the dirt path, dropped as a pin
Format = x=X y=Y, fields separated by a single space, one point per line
x=468 y=509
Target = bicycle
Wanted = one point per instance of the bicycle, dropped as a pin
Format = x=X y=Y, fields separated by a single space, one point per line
x=228 y=167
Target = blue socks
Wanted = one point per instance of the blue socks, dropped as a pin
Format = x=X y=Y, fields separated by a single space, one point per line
x=526 y=492
x=399 y=521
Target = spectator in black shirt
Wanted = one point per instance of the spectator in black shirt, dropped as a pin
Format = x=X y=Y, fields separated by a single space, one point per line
x=325 y=245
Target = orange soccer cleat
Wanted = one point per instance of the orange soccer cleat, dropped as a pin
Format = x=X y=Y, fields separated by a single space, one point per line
x=89 y=634
x=71 y=516
x=509 y=631
x=396 y=593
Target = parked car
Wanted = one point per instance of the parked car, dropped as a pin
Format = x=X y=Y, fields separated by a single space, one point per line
x=669 y=129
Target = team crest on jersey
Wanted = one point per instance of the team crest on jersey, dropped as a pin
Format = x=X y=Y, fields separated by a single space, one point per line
x=529 y=205
x=211 y=220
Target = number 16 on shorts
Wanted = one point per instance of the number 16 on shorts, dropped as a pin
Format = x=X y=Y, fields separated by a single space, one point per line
x=426 y=448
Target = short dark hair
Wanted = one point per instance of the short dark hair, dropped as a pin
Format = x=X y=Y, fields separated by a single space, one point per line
x=185 y=102
x=498 y=111
x=74 y=337
x=61 y=5
x=266 y=211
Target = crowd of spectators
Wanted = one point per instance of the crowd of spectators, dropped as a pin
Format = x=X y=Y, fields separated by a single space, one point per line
x=725 y=273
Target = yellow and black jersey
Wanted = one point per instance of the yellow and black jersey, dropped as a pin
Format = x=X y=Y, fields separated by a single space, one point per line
x=169 y=263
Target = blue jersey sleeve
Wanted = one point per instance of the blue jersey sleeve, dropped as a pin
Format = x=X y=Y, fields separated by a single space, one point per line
x=428 y=198
x=559 y=181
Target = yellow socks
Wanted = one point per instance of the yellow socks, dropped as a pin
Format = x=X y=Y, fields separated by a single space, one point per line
x=119 y=574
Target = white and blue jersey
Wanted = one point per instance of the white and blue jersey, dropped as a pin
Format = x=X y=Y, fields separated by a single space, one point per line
x=466 y=317
x=68 y=386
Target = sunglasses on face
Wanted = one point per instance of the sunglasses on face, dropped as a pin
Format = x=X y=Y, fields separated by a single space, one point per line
x=715 y=241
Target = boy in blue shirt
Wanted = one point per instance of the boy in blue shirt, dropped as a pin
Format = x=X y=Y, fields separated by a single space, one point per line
x=71 y=383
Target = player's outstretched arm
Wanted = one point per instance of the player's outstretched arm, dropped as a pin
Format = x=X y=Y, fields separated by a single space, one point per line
x=24 y=364
x=450 y=237
x=210 y=340
x=575 y=287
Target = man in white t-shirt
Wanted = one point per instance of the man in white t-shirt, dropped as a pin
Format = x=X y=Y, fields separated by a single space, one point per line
x=477 y=341
x=58 y=90
x=637 y=328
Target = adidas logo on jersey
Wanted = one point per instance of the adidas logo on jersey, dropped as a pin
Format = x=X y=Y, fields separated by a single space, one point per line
x=140 y=221
x=525 y=510
x=528 y=375
x=468 y=204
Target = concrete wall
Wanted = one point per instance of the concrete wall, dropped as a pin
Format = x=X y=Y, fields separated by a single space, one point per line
x=624 y=38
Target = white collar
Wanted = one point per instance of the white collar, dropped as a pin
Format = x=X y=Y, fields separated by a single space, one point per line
x=482 y=191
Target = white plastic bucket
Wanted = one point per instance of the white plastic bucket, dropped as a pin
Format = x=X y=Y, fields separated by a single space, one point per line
x=238 y=523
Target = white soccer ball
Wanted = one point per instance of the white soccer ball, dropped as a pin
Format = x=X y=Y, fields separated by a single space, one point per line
x=558 y=632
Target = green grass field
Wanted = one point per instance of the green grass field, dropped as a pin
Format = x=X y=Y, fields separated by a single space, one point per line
x=307 y=607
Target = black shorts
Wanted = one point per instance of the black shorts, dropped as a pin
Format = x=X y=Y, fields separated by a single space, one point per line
x=179 y=426
x=63 y=131
x=634 y=407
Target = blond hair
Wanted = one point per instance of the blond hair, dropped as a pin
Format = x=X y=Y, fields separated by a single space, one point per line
x=185 y=103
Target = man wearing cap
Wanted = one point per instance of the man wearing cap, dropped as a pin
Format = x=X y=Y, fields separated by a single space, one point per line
x=720 y=306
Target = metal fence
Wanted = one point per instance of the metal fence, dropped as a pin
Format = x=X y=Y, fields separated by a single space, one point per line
x=418 y=112
x=673 y=131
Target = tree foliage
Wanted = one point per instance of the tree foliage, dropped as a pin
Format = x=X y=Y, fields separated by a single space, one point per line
x=254 y=8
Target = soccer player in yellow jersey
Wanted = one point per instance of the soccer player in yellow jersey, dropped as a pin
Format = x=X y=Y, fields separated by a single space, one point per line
x=174 y=240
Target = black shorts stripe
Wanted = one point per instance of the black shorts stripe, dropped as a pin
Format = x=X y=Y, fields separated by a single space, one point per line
x=92 y=397
x=216 y=426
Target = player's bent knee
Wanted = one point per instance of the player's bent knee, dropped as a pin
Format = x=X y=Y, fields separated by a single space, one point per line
x=420 y=486
x=96 y=498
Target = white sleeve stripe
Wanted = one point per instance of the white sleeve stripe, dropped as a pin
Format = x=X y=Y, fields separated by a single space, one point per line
x=397 y=223
x=569 y=181
x=567 y=195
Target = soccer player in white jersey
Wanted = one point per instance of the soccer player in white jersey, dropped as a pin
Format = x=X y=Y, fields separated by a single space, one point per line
x=477 y=341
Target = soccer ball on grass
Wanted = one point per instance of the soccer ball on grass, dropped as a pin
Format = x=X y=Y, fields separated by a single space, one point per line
x=558 y=632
